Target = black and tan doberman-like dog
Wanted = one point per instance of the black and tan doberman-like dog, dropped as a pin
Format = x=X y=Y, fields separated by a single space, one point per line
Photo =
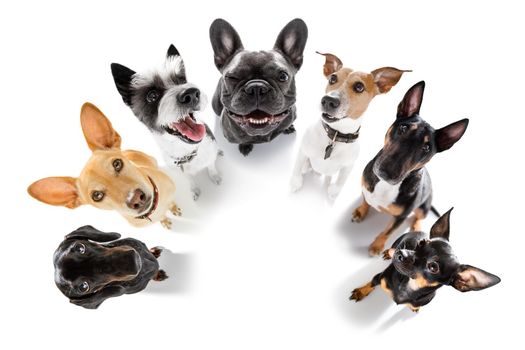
x=422 y=264
x=88 y=272
x=396 y=181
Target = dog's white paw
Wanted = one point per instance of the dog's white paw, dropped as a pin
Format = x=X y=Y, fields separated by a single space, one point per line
x=196 y=193
x=333 y=191
x=296 y=183
x=216 y=178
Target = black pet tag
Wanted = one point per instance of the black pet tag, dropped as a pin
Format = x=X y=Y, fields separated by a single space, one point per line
x=328 y=150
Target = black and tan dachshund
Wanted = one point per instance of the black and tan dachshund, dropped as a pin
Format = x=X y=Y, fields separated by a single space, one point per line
x=422 y=264
x=88 y=272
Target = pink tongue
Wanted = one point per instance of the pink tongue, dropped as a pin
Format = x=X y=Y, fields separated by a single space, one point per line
x=190 y=129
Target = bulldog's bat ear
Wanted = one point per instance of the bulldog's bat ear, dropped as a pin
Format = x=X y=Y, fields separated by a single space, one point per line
x=292 y=40
x=122 y=76
x=332 y=63
x=225 y=42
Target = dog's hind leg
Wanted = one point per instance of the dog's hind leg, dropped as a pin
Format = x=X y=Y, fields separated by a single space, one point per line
x=213 y=174
x=156 y=251
x=360 y=293
x=160 y=276
x=297 y=175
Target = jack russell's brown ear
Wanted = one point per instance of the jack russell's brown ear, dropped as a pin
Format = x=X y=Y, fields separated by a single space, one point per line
x=97 y=129
x=60 y=191
x=331 y=65
x=385 y=78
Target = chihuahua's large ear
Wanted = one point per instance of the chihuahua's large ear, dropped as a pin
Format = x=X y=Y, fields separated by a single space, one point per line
x=332 y=63
x=411 y=103
x=292 y=40
x=173 y=57
x=446 y=137
x=441 y=228
x=94 y=300
x=56 y=191
x=98 y=131
x=385 y=78
x=225 y=42
x=123 y=76
x=91 y=233
x=469 y=278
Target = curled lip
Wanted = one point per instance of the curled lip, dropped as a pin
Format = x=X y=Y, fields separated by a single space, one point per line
x=154 y=202
x=172 y=131
x=258 y=119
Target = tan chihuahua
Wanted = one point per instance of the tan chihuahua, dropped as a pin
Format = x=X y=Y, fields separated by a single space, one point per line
x=126 y=181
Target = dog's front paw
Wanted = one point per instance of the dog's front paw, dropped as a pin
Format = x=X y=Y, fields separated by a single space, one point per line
x=388 y=254
x=289 y=130
x=175 y=210
x=166 y=223
x=333 y=191
x=359 y=294
x=359 y=214
x=375 y=248
x=215 y=177
x=196 y=193
x=245 y=148
x=296 y=183
x=160 y=276
x=156 y=251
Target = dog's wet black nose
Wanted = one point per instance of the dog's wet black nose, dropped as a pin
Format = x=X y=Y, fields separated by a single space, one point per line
x=404 y=257
x=137 y=200
x=256 y=88
x=330 y=102
x=189 y=97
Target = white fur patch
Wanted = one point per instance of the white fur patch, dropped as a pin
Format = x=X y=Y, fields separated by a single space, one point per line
x=384 y=194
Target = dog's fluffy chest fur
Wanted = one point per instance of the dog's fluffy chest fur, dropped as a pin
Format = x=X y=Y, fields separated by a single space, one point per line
x=383 y=195
x=174 y=149
x=314 y=144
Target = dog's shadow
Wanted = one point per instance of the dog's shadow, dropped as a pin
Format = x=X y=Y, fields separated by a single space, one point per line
x=370 y=310
x=178 y=268
x=361 y=235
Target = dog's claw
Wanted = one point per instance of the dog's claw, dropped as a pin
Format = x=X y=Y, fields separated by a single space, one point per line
x=357 y=295
x=357 y=216
x=175 y=210
x=245 y=148
x=166 y=223
x=196 y=193
x=160 y=276
x=289 y=130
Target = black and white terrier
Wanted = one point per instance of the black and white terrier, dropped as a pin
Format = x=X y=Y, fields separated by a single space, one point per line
x=167 y=104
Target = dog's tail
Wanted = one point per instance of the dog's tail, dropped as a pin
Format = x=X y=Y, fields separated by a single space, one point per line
x=434 y=210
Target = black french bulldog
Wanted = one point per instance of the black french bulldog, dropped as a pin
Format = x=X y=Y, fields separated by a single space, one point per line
x=88 y=272
x=255 y=96
x=421 y=265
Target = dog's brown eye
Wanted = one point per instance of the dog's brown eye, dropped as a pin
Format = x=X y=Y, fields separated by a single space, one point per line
x=83 y=287
x=359 y=87
x=402 y=128
x=152 y=96
x=80 y=248
x=426 y=148
x=283 y=76
x=97 y=196
x=433 y=267
x=332 y=79
x=118 y=164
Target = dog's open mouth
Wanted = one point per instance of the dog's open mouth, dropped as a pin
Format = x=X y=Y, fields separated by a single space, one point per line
x=258 y=119
x=154 y=202
x=188 y=129
x=328 y=118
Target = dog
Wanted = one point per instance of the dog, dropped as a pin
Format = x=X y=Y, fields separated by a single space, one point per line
x=167 y=104
x=395 y=181
x=331 y=146
x=421 y=265
x=126 y=181
x=88 y=272
x=255 y=96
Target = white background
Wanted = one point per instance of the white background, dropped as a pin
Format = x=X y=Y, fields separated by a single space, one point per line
x=252 y=266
